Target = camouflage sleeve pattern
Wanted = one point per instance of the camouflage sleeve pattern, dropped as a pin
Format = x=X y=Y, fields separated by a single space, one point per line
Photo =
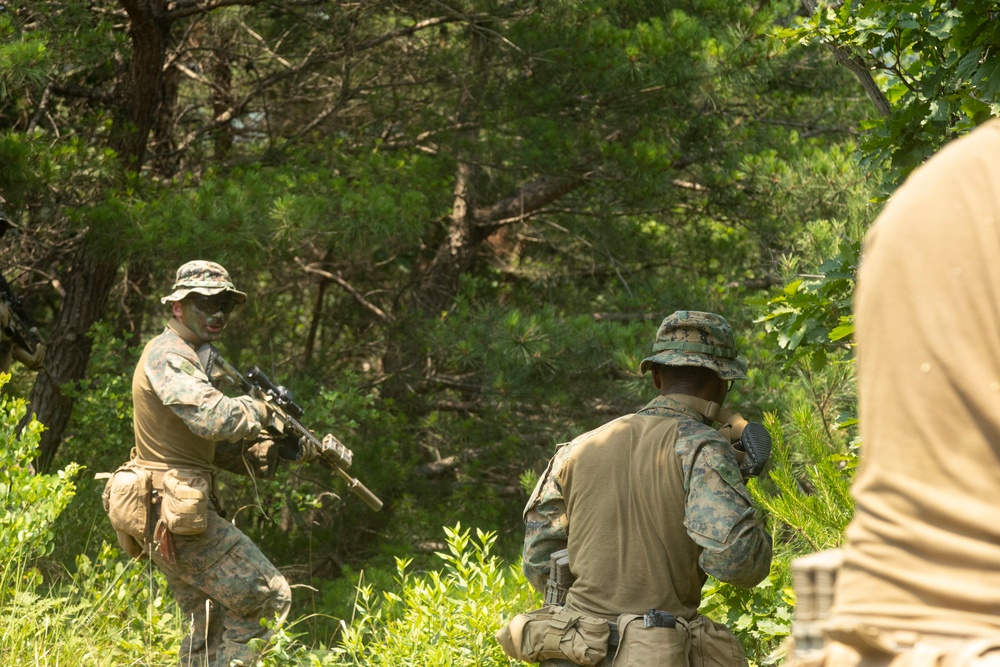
x=720 y=516
x=546 y=527
x=177 y=377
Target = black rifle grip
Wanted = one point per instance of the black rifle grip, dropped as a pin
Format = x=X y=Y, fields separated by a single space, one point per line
x=756 y=442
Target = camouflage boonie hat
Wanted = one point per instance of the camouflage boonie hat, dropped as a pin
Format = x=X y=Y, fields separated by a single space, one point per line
x=203 y=277
x=693 y=338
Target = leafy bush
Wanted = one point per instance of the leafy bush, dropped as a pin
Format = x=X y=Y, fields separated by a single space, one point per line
x=104 y=614
x=29 y=503
x=760 y=616
x=811 y=318
x=445 y=617
x=109 y=613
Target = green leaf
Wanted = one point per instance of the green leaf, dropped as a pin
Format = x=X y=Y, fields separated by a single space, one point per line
x=843 y=331
x=987 y=77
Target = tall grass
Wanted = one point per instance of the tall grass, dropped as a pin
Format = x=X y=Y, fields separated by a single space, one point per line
x=446 y=617
x=105 y=613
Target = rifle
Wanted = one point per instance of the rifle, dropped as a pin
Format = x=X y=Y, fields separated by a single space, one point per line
x=751 y=441
x=19 y=328
x=755 y=443
x=331 y=453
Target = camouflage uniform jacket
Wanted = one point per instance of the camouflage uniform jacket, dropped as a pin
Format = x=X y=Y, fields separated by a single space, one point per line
x=179 y=415
x=646 y=525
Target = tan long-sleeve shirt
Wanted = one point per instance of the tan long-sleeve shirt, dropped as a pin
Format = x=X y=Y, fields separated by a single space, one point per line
x=179 y=416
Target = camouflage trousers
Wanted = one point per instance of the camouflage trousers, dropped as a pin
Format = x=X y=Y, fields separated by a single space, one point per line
x=224 y=586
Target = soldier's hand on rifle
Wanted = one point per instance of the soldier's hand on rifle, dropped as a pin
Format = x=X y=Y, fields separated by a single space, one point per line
x=31 y=360
x=733 y=427
x=751 y=444
x=263 y=410
x=296 y=449
x=257 y=457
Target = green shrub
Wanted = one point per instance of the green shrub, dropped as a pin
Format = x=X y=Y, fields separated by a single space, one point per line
x=805 y=497
x=446 y=617
x=104 y=614
x=29 y=503
x=110 y=612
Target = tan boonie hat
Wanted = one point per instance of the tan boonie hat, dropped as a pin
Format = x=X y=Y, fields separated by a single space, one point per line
x=694 y=338
x=203 y=277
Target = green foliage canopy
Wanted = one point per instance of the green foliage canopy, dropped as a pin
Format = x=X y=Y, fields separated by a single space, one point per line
x=937 y=63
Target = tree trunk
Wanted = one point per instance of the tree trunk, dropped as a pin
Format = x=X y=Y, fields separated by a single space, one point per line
x=88 y=284
x=92 y=272
x=220 y=69
x=861 y=70
x=138 y=93
x=470 y=226
x=436 y=283
x=457 y=254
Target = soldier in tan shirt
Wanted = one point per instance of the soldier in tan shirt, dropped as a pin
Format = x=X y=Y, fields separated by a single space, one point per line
x=222 y=581
x=650 y=502
x=921 y=571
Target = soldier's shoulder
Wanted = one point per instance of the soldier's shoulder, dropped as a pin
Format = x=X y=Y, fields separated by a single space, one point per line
x=694 y=433
x=167 y=344
x=700 y=445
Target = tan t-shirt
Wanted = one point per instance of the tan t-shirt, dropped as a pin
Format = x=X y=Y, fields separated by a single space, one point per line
x=179 y=416
x=646 y=504
x=923 y=551
x=625 y=498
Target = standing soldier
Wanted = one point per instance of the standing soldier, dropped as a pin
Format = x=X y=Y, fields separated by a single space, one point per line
x=221 y=580
x=646 y=505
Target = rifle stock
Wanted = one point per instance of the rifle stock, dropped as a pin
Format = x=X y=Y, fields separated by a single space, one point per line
x=332 y=455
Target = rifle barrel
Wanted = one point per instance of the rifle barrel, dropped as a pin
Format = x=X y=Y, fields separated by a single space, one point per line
x=356 y=487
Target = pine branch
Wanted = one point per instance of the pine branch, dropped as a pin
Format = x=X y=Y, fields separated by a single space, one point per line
x=350 y=289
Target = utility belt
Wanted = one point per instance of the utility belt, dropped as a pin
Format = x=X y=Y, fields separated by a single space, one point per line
x=554 y=632
x=654 y=618
x=149 y=502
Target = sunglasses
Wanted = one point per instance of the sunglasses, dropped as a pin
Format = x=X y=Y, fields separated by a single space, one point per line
x=213 y=304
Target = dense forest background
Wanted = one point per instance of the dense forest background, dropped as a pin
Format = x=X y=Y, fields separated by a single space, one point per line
x=460 y=223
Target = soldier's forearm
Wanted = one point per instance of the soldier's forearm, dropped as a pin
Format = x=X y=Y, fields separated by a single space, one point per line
x=746 y=562
x=536 y=559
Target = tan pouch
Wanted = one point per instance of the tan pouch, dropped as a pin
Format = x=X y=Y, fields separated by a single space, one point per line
x=714 y=645
x=555 y=632
x=185 y=501
x=127 y=497
x=639 y=646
